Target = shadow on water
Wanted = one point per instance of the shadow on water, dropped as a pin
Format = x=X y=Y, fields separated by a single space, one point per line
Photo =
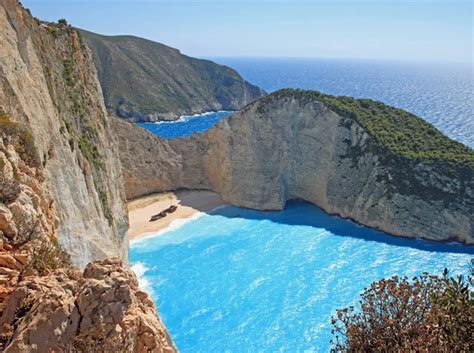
x=301 y=213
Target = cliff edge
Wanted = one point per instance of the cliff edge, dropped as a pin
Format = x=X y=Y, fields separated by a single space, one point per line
x=360 y=159
x=62 y=203
x=48 y=85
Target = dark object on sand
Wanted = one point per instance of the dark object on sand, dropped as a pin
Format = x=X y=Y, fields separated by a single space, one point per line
x=163 y=214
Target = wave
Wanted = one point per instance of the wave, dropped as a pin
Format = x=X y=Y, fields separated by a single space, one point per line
x=139 y=268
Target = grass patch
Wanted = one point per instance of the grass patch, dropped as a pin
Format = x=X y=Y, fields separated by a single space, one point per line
x=105 y=207
x=90 y=151
x=49 y=256
x=22 y=140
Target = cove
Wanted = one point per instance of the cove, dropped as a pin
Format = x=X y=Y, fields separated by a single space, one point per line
x=240 y=280
x=186 y=125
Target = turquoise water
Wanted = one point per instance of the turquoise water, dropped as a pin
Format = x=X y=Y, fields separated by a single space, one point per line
x=186 y=125
x=243 y=281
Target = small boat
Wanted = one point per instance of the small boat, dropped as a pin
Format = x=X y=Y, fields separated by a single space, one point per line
x=163 y=214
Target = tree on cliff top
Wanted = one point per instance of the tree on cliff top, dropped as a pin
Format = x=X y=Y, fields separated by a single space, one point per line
x=428 y=313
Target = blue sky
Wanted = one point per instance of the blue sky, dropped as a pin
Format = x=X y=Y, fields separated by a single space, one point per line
x=418 y=30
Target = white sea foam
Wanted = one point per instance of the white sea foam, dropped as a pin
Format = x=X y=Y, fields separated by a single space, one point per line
x=184 y=118
x=140 y=269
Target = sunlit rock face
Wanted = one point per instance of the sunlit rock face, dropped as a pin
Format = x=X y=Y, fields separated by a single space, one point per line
x=101 y=308
x=292 y=145
x=48 y=85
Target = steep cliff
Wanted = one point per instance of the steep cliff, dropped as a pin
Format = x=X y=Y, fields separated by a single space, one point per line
x=359 y=159
x=45 y=303
x=62 y=203
x=48 y=85
x=148 y=81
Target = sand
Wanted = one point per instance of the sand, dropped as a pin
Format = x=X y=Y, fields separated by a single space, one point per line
x=189 y=202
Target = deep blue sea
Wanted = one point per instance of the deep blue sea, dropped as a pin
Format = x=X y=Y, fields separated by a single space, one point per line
x=186 y=125
x=442 y=94
x=237 y=280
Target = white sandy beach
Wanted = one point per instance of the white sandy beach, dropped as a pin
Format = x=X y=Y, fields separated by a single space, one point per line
x=189 y=202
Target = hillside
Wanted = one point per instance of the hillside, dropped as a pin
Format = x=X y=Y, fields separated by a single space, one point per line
x=359 y=159
x=65 y=284
x=149 y=81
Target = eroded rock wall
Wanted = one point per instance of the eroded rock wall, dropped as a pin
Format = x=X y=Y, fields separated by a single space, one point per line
x=48 y=84
x=289 y=148
x=99 y=310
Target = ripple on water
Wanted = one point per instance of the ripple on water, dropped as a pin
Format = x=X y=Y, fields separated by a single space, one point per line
x=271 y=281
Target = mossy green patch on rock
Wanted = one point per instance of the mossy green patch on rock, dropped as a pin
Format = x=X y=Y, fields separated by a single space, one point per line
x=104 y=200
x=90 y=151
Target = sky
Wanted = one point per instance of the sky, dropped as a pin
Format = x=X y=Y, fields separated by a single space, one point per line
x=413 y=30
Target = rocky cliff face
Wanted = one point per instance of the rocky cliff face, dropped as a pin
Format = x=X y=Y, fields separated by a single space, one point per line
x=99 y=310
x=147 y=81
x=293 y=146
x=62 y=203
x=48 y=85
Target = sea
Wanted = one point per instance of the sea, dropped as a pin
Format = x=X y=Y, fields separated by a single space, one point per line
x=442 y=94
x=239 y=280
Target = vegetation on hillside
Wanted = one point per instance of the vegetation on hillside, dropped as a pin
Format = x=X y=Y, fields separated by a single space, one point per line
x=396 y=130
x=425 y=314
x=140 y=78
x=21 y=139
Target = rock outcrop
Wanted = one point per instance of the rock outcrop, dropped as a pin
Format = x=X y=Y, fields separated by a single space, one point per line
x=49 y=86
x=359 y=159
x=100 y=310
x=147 y=81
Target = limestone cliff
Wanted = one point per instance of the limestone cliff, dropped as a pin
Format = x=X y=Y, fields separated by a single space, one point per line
x=48 y=85
x=62 y=203
x=359 y=159
x=45 y=303
x=99 y=310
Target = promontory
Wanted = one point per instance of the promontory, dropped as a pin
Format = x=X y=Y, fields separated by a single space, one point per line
x=360 y=159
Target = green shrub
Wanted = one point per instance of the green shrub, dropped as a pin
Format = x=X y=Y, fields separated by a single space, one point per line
x=425 y=314
x=90 y=151
x=105 y=207
x=394 y=130
x=22 y=140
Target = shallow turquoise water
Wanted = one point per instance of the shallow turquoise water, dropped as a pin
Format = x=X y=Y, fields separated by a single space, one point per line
x=244 y=281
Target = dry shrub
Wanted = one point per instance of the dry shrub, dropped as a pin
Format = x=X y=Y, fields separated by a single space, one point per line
x=48 y=256
x=96 y=341
x=22 y=140
x=427 y=313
